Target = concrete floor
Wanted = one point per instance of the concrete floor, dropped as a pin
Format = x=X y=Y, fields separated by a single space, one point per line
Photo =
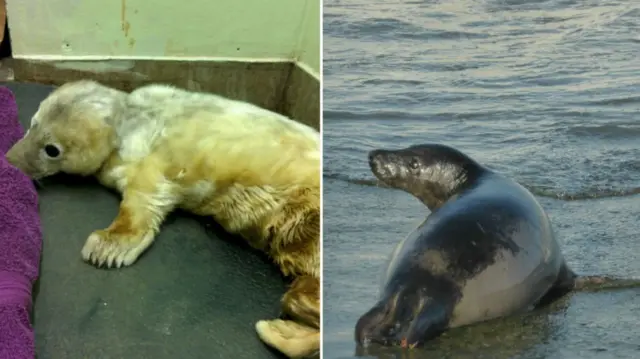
x=196 y=293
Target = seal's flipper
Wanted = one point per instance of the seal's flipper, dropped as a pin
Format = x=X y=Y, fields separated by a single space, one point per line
x=384 y=324
x=568 y=281
x=377 y=325
x=563 y=285
x=431 y=322
x=595 y=283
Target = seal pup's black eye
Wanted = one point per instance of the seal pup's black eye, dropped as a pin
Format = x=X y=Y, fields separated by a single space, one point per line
x=414 y=164
x=52 y=151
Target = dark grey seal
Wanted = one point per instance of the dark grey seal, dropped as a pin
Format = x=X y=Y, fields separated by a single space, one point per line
x=487 y=250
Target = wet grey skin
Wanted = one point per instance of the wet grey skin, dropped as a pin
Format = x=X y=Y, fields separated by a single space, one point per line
x=486 y=250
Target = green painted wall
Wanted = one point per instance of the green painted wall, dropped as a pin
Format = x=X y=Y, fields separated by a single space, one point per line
x=246 y=30
x=309 y=46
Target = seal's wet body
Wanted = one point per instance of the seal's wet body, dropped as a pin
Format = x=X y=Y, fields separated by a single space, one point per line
x=486 y=250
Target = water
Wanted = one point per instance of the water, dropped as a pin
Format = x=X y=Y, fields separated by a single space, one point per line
x=547 y=92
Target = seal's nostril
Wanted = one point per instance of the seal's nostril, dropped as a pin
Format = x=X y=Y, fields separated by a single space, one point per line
x=372 y=155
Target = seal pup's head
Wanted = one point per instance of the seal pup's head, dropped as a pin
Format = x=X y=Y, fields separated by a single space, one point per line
x=72 y=131
x=431 y=172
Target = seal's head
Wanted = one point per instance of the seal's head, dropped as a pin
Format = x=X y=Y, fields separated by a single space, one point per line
x=72 y=131
x=431 y=172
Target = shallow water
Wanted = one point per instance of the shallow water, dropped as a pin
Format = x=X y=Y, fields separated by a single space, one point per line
x=547 y=92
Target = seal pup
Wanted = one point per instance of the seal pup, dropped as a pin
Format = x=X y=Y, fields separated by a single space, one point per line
x=487 y=250
x=256 y=172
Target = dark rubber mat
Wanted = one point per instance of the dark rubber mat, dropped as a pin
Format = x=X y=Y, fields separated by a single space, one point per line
x=196 y=293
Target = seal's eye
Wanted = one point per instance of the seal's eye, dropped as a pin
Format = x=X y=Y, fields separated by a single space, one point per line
x=52 y=151
x=414 y=164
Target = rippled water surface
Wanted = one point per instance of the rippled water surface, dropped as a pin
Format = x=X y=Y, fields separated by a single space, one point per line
x=547 y=92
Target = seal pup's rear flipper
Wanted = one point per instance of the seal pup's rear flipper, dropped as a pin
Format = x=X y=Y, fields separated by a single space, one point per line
x=595 y=283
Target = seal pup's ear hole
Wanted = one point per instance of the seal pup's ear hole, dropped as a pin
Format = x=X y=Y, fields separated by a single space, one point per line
x=52 y=151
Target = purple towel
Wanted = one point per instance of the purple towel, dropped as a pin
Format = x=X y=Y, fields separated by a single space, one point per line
x=20 y=241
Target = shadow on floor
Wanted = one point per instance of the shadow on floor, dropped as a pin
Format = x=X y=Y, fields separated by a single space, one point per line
x=196 y=293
